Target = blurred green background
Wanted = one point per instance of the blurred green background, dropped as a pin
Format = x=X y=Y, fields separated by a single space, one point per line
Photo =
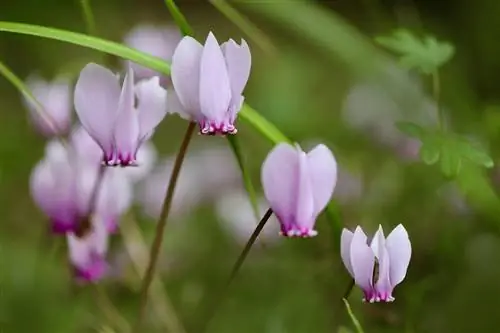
x=318 y=76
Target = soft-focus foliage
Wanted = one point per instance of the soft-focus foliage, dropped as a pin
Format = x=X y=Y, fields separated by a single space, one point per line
x=329 y=82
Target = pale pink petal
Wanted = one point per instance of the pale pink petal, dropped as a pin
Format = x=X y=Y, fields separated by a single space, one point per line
x=378 y=242
x=280 y=180
x=97 y=93
x=79 y=250
x=304 y=204
x=362 y=261
x=399 y=248
x=127 y=123
x=174 y=105
x=151 y=105
x=383 y=285
x=215 y=89
x=345 y=249
x=322 y=169
x=185 y=73
x=85 y=147
x=239 y=62
x=99 y=237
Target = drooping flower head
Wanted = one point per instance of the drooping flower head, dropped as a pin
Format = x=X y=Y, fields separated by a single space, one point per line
x=209 y=81
x=87 y=253
x=110 y=116
x=298 y=186
x=55 y=97
x=376 y=268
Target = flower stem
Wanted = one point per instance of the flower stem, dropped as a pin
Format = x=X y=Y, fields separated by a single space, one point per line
x=355 y=321
x=348 y=290
x=179 y=18
x=88 y=17
x=436 y=91
x=236 y=267
x=162 y=222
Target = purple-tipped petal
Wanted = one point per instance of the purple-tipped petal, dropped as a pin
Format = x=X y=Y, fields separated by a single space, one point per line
x=399 y=249
x=304 y=204
x=215 y=89
x=185 y=73
x=127 y=124
x=151 y=106
x=345 y=249
x=239 y=62
x=323 y=176
x=97 y=93
x=362 y=262
x=383 y=286
x=279 y=181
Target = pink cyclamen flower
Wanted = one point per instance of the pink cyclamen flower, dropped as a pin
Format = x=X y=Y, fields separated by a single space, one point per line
x=110 y=116
x=209 y=81
x=298 y=186
x=376 y=268
x=55 y=98
x=87 y=253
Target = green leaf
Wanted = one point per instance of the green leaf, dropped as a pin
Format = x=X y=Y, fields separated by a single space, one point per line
x=262 y=125
x=411 y=129
x=429 y=152
x=95 y=43
x=450 y=160
x=235 y=147
x=179 y=18
x=475 y=153
x=427 y=55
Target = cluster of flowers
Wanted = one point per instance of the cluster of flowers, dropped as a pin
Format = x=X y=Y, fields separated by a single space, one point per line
x=78 y=187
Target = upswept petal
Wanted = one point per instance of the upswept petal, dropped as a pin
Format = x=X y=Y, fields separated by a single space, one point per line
x=151 y=105
x=185 y=73
x=383 y=284
x=399 y=249
x=323 y=175
x=378 y=242
x=345 y=249
x=126 y=131
x=304 y=204
x=362 y=260
x=215 y=89
x=96 y=97
x=279 y=180
x=85 y=147
x=174 y=105
x=78 y=250
x=99 y=237
x=239 y=63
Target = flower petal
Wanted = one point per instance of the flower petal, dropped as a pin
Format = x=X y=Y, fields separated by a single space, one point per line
x=279 y=180
x=127 y=123
x=239 y=62
x=185 y=73
x=304 y=205
x=345 y=249
x=151 y=105
x=96 y=102
x=174 y=105
x=323 y=175
x=399 y=248
x=215 y=89
x=85 y=147
x=79 y=250
x=115 y=195
x=362 y=260
x=378 y=242
x=383 y=284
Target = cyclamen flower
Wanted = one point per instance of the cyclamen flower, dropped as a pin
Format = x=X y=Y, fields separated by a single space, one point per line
x=110 y=116
x=55 y=97
x=376 y=268
x=63 y=186
x=298 y=186
x=87 y=253
x=209 y=81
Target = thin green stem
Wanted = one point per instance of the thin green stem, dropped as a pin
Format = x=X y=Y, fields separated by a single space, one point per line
x=245 y=25
x=348 y=290
x=354 y=320
x=179 y=18
x=160 y=226
x=19 y=84
x=436 y=91
x=88 y=17
x=109 y=310
x=236 y=268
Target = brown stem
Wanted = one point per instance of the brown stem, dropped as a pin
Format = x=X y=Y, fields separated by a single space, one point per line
x=160 y=226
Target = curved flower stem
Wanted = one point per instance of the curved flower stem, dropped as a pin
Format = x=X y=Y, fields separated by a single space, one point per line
x=236 y=267
x=355 y=320
x=88 y=17
x=349 y=288
x=179 y=18
x=162 y=222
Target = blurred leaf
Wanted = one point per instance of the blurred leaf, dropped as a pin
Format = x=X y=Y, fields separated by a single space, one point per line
x=450 y=159
x=429 y=152
x=343 y=329
x=475 y=153
x=179 y=18
x=427 y=55
x=411 y=129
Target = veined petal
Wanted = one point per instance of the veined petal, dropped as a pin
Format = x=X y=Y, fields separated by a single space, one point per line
x=322 y=169
x=215 y=89
x=280 y=181
x=185 y=73
x=399 y=249
x=304 y=204
x=151 y=105
x=345 y=249
x=127 y=123
x=378 y=242
x=239 y=62
x=97 y=93
x=362 y=261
